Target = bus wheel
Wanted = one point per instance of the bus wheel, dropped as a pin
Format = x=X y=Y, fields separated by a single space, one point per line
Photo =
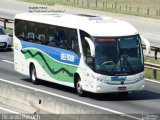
x=33 y=75
x=78 y=87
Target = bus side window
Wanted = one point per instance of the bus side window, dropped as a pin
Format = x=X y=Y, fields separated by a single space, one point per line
x=31 y=36
x=41 y=39
x=62 y=37
x=42 y=34
x=74 y=40
x=86 y=49
x=52 y=41
x=56 y=38
x=19 y=29
x=30 y=29
x=51 y=36
x=89 y=58
x=84 y=42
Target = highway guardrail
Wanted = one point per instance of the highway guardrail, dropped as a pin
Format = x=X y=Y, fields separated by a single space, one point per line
x=154 y=67
x=5 y=21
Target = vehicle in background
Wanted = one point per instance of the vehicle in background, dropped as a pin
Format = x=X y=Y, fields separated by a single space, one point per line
x=5 y=40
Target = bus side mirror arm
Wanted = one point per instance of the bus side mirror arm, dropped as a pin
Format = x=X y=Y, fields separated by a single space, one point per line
x=147 y=43
x=91 y=45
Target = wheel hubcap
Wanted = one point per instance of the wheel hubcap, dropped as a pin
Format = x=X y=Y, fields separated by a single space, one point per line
x=79 y=87
x=34 y=75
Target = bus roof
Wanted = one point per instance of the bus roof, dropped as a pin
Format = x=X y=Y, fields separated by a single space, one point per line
x=93 y=25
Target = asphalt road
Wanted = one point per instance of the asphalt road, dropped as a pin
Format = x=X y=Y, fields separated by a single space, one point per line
x=4 y=109
x=10 y=113
x=136 y=103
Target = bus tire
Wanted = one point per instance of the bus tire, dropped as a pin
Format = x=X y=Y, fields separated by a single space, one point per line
x=33 y=74
x=78 y=87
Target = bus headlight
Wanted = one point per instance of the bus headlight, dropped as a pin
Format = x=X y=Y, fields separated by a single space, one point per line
x=100 y=80
x=141 y=77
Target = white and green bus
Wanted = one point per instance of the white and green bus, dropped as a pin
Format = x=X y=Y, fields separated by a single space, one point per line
x=89 y=53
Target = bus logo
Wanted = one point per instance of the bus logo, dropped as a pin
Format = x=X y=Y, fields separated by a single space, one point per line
x=67 y=57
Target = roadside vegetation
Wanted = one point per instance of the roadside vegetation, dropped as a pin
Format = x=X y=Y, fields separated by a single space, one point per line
x=146 y=8
x=149 y=72
x=152 y=60
x=10 y=31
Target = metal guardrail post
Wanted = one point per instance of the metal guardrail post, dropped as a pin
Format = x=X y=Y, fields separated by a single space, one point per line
x=155 y=54
x=154 y=73
x=156 y=51
x=5 y=20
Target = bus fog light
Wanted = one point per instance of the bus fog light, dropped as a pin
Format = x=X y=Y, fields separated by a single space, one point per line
x=141 y=78
x=99 y=80
x=98 y=88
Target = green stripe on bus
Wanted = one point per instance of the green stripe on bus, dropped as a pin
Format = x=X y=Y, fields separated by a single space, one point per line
x=54 y=69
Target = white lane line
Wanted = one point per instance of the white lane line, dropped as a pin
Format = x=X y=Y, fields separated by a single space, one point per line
x=155 y=81
x=7 y=61
x=71 y=99
x=8 y=110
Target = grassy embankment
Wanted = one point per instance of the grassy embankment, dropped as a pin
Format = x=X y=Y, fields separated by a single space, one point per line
x=10 y=31
x=149 y=72
x=146 y=8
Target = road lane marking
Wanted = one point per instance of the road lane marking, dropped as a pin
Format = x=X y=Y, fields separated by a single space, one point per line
x=8 y=110
x=7 y=61
x=150 y=34
x=71 y=99
x=155 y=81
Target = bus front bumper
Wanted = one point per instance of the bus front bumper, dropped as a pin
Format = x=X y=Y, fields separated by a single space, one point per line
x=100 y=87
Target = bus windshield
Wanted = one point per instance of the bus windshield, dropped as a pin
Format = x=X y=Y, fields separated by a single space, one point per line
x=118 y=55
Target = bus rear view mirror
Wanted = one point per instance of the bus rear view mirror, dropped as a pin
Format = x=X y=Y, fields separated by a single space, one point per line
x=147 y=43
x=91 y=46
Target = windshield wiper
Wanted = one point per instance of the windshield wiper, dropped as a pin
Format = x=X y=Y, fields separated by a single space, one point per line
x=124 y=59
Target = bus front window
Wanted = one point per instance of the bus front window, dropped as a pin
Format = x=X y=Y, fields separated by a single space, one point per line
x=118 y=55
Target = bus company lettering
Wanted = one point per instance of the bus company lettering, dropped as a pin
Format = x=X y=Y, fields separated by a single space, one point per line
x=67 y=57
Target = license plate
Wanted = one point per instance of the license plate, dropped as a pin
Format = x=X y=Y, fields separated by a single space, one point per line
x=1 y=44
x=123 y=88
